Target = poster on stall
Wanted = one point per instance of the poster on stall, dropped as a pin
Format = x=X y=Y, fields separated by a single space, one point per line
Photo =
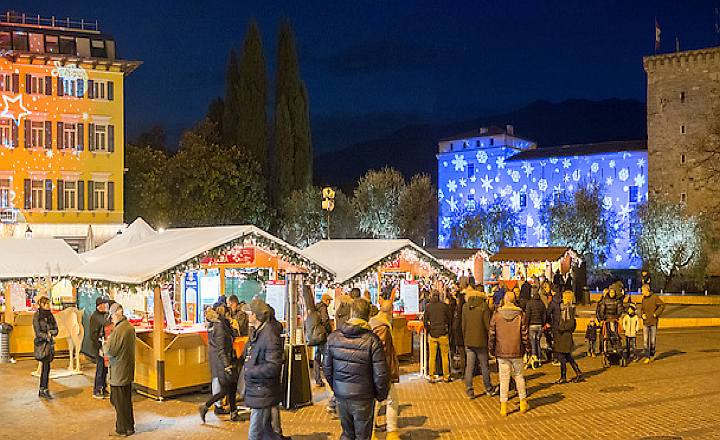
x=18 y=298
x=190 y=296
x=410 y=296
x=275 y=295
x=168 y=309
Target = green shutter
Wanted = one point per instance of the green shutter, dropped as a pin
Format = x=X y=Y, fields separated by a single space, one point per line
x=60 y=195
x=80 y=195
x=111 y=196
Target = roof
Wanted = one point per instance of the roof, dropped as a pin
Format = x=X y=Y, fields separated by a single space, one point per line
x=527 y=254
x=493 y=130
x=136 y=262
x=580 y=150
x=22 y=258
x=138 y=232
x=348 y=258
x=455 y=254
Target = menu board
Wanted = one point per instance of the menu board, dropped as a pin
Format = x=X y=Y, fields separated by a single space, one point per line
x=168 y=308
x=410 y=296
x=275 y=295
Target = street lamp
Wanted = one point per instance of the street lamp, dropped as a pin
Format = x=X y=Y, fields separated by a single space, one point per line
x=328 y=204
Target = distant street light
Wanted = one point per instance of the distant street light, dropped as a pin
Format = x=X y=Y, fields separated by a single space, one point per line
x=328 y=204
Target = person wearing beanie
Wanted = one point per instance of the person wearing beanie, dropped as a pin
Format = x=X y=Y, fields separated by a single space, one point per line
x=508 y=342
x=381 y=325
x=475 y=324
x=263 y=363
x=98 y=319
x=120 y=350
x=630 y=324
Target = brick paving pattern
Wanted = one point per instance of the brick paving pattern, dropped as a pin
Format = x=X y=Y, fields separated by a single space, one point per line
x=674 y=398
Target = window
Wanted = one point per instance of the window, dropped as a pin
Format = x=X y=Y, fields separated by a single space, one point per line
x=37 y=134
x=683 y=197
x=633 y=192
x=101 y=137
x=491 y=141
x=52 y=44
x=35 y=84
x=682 y=159
x=470 y=170
x=67 y=45
x=38 y=194
x=5 y=41
x=6 y=139
x=70 y=195
x=682 y=96
x=5 y=82
x=70 y=135
x=99 y=195
x=20 y=41
x=72 y=87
x=682 y=129
x=97 y=49
x=99 y=90
x=523 y=200
x=5 y=193
x=451 y=146
x=477 y=143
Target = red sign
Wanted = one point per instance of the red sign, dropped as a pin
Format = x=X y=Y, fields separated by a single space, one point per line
x=236 y=255
x=395 y=264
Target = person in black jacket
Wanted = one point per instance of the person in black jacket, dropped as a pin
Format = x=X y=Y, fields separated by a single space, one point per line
x=223 y=362
x=98 y=319
x=263 y=363
x=553 y=320
x=46 y=329
x=357 y=371
x=535 y=312
x=563 y=336
x=315 y=333
x=525 y=295
x=324 y=322
x=437 y=324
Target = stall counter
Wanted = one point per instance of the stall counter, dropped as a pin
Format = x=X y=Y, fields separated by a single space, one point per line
x=23 y=335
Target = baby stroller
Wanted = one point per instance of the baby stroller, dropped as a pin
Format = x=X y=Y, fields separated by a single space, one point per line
x=611 y=345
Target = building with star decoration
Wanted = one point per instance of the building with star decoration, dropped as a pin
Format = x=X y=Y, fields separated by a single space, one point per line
x=61 y=129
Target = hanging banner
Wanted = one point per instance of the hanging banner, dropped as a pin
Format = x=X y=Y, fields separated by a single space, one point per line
x=275 y=296
x=410 y=296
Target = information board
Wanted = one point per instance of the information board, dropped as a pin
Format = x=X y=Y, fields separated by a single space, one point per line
x=410 y=296
x=168 y=308
x=275 y=296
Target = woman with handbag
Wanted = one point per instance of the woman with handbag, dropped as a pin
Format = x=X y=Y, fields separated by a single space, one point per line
x=46 y=329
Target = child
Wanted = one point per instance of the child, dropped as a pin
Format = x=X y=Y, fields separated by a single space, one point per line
x=630 y=325
x=591 y=337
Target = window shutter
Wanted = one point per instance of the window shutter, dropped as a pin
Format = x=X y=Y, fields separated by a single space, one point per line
x=60 y=137
x=48 y=134
x=28 y=194
x=91 y=89
x=80 y=136
x=60 y=91
x=28 y=134
x=111 y=196
x=16 y=82
x=91 y=196
x=91 y=137
x=80 y=195
x=15 y=129
x=60 y=195
x=28 y=83
x=48 y=85
x=111 y=138
x=110 y=90
x=48 y=195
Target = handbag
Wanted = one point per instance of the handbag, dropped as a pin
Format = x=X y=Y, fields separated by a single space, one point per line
x=44 y=350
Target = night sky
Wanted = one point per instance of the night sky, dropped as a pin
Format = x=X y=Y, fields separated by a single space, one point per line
x=381 y=64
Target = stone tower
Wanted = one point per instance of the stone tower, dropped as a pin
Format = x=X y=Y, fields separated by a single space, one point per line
x=683 y=94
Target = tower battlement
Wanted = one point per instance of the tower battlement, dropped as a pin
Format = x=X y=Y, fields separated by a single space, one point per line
x=686 y=58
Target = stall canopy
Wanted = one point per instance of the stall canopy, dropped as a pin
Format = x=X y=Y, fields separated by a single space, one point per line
x=37 y=257
x=529 y=254
x=137 y=232
x=134 y=261
x=349 y=258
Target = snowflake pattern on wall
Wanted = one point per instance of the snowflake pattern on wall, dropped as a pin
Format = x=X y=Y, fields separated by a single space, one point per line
x=508 y=179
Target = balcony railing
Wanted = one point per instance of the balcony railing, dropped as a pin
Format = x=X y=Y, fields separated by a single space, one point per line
x=54 y=22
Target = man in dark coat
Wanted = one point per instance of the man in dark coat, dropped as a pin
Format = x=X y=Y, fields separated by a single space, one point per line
x=553 y=319
x=437 y=319
x=357 y=371
x=263 y=362
x=120 y=349
x=524 y=294
x=316 y=334
x=98 y=319
x=475 y=322
x=535 y=315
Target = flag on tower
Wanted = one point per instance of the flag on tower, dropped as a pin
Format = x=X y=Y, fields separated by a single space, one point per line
x=657 y=34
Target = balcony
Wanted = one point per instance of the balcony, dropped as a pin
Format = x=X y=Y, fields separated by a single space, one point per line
x=14 y=18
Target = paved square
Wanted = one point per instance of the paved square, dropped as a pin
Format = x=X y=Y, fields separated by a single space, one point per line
x=674 y=398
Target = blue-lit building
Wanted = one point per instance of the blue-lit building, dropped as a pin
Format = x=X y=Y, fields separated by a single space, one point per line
x=478 y=167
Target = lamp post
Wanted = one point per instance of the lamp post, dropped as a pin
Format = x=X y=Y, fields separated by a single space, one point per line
x=328 y=204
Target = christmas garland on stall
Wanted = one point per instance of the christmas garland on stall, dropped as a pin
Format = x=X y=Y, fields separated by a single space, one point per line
x=438 y=267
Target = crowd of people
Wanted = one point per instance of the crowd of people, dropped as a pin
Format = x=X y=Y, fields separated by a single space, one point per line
x=356 y=356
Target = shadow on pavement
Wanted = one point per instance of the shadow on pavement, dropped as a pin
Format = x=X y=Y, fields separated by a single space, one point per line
x=538 y=387
x=545 y=400
x=423 y=434
x=316 y=436
x=668 y=354
x=66 y=393
x=534 y=375
x=412 y=421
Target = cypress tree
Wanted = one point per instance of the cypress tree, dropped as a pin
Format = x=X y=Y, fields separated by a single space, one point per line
x=292 y=154
x=231 y=102
x=252 y=98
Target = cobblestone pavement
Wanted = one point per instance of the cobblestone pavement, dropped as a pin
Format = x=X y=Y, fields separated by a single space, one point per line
x=673 y=398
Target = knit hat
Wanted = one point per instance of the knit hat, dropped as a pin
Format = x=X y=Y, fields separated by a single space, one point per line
x=260 y=309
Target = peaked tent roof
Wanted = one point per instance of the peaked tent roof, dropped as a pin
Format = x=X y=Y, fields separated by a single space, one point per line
x=21 y=258
x=137 y=232
x=348 y=258
x=139 y=262
x=526 y=254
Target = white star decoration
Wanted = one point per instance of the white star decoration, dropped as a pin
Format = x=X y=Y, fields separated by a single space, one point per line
x=463 y=182
x=624 y=174
x=6 y=108
x=453 y=204
x=567 y=163
x=639 y=180
x=641 y=162
x=446 y=222
x=528 y=168
x=459 y=162
x=500 y=162
x=451 y=186
x=473 y=179
x=486 y=183
x=624 y=211
x=609 y=181
x=481 y=156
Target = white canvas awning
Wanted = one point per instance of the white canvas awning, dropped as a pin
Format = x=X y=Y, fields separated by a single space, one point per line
x=21 y=258
x=137 y=232
x=348 y=258
x=136 y=262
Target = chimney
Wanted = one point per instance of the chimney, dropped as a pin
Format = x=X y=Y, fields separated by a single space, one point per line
x=510 y=129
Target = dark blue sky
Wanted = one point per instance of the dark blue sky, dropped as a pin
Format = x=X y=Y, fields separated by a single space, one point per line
x=385 y=63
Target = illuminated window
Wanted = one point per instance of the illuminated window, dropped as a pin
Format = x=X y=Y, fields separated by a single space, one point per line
x=633 y=193
x=37 y=196
x=5 y=82
x=101 y=138
x=6 y=133
x=99 y=195
x=5 y=189
x=52 y=44
x=20 y=41
x=72 y=87
x=37 y=134
x=70 y=135
x=70 y=195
